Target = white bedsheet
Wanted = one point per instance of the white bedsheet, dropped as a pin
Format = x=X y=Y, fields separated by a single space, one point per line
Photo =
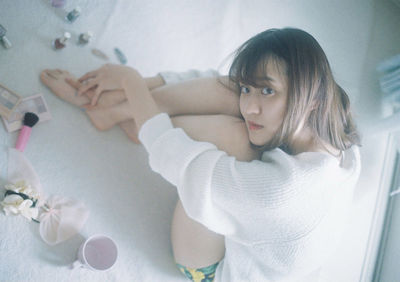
x=105 y=170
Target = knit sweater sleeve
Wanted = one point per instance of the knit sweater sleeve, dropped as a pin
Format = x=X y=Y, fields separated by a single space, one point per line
x=215 y=189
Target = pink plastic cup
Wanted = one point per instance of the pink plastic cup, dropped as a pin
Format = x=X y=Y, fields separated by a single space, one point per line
x=98 y=252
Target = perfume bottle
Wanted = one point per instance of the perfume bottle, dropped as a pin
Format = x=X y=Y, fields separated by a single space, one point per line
x=73 y=15
x=84 y=38
x=6 y=43
x=59 y=43
x=58 y=3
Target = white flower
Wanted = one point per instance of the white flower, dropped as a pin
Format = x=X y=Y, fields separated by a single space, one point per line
x=15 y=204
x=24 y=188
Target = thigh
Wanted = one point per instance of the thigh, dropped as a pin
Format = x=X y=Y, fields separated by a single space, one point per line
x=193 y=244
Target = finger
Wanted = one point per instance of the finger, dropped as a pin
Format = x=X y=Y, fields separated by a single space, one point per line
x=88 y=107
x=96 y=96
x=91 y=92
x=94 y=100
x=74 y=83
x=85 y=87
x=88 y=75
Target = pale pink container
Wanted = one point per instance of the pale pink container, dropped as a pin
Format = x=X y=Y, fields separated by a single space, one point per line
x=98 y=252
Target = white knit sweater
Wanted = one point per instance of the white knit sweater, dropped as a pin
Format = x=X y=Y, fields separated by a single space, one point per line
x=282 y=216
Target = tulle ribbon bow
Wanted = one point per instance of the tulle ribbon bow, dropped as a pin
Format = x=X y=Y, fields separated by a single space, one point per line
x=59 y=217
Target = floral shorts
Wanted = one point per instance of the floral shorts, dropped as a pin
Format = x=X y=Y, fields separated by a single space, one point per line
x=204 y=274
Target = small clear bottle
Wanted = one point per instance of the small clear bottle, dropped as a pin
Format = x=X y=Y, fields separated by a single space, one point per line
x=59 y=43
x=84 y=38
x=73 y=15
x=3 y=39
x=58 y=3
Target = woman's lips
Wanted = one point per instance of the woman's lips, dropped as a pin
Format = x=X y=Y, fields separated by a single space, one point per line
x=254 y=126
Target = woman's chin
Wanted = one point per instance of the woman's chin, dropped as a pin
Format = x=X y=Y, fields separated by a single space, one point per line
x=255 y=143
x=258 y=142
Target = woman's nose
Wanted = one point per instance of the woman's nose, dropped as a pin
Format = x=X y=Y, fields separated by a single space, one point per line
x=253 y=105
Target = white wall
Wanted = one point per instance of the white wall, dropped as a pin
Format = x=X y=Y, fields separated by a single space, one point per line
x=384 y=42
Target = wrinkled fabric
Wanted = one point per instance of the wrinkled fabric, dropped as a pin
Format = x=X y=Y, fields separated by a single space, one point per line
x=20 y=168
x=60 y=217
x=63 y=218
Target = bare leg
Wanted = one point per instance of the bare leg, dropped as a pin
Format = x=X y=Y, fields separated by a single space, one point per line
x=56 y=81
x=193 y=244
x=104 y=119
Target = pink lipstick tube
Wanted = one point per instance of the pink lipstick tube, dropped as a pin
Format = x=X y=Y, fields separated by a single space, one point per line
x=23 y=138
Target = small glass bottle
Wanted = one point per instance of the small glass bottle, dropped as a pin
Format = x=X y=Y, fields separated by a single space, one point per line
x=121 y=56
x=58 y=3
x=73 y=15
x=59 y=43
x=6 y=43
x=84 y=38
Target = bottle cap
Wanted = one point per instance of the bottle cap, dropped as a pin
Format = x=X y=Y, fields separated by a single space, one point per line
x=3 y=31
x=6 y=43
x=65 y=37
x=87 y=35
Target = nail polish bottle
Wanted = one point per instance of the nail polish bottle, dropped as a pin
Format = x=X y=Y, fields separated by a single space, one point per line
x=84 y=38
x=121 y=56
x=6 y=43
x=58 y=3
x=59 y=43
x=73 y=15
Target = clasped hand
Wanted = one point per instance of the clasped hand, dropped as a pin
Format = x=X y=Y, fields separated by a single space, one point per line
x=106 y=78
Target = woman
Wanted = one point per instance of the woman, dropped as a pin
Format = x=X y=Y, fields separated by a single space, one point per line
x=275 y=184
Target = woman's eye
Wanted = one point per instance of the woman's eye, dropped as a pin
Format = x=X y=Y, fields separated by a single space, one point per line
x=267 y=91
x=244 y=89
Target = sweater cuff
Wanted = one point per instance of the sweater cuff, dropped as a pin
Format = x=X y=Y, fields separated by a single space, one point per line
x=154 y=128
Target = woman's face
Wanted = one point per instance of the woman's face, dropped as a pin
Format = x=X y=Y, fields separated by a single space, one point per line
x=265 y=106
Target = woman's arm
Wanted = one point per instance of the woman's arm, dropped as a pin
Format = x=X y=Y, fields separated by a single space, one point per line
x=228 y=133
x=200 y=96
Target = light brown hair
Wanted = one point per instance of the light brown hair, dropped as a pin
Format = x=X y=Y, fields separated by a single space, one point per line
x=313 y=94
